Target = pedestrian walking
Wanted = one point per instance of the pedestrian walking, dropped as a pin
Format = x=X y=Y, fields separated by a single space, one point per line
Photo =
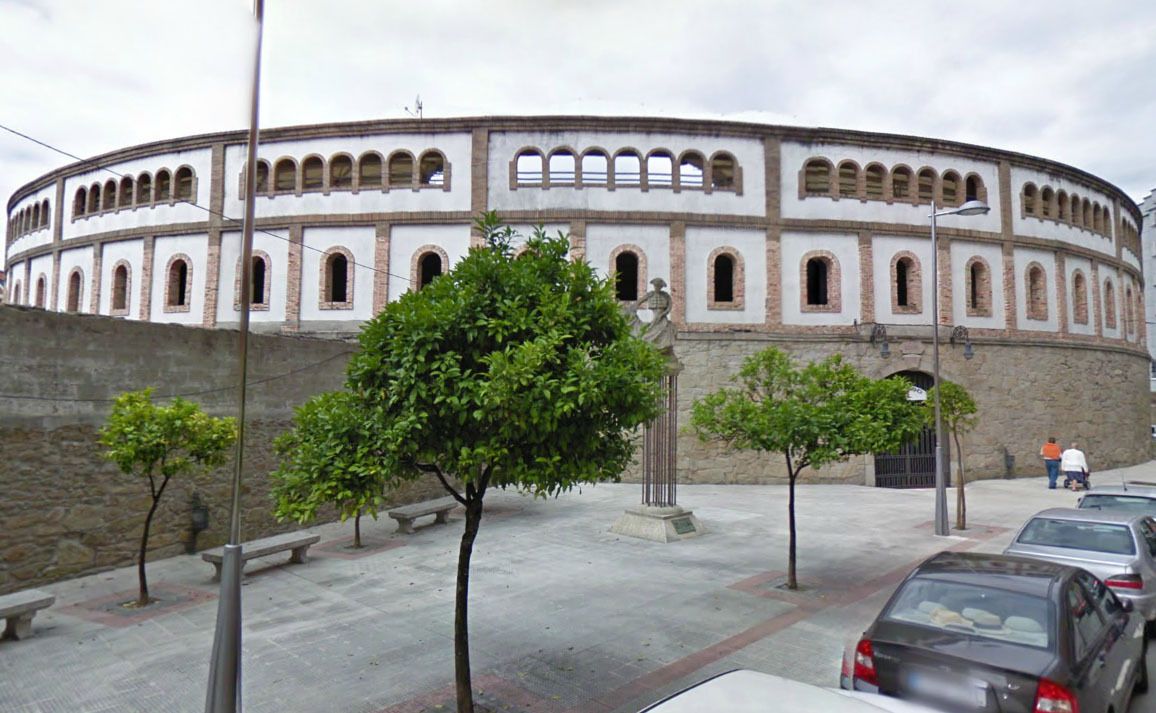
x=1075 y=467
x=1051 y=454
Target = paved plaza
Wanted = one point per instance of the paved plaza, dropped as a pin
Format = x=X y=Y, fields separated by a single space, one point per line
x=565 y=616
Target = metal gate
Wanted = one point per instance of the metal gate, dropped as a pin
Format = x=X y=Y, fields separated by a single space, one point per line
x=913 y=465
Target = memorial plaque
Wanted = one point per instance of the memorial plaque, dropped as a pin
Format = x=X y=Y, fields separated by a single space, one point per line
x=683 y=525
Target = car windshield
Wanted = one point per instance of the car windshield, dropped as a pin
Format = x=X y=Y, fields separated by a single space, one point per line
x=1076 y=535
x=1129 y=503
x=973 y=610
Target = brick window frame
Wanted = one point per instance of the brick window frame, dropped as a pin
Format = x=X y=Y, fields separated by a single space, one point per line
x=1109 y=304
x=907 y=174
x=643 y=270
x=712 y=185
x=980 y=188
x=834 y=282
x=254 y=306
x=1036 y=291
x=981 y=288
x=534 y=152
x=1079 y=297
x=1129 y=313
x=326 y=279
x=914 y=283
x=819 y=164
x=41 y=291
x=74 y=298
x=738 y=279
x=170 y=285
x=849 y=178
x=419 y=169
x=415 y=263
x=112 y=308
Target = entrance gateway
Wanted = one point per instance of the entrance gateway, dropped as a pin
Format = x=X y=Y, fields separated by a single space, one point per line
x=913 y=465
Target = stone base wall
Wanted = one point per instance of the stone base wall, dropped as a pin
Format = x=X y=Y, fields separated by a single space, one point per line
x=66 y=511
x=1025 y=393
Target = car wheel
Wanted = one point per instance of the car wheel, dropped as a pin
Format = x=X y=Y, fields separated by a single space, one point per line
x=1142 y=679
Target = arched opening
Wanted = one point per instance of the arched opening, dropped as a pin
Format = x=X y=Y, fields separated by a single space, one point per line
x=337 y=278
x=660 y=170
x=120 y=288
x=429 y=267
x=433 y=169
x=108 y=198
x=144 y=189
x=724 y=278
x=1047 y=199
x=341 y=172
x=874 y=176
x=40 y=292
x=401 y=170
x=126 y=192
x=952 y=189
x=1109 y=305
x=79 y=202
x=74 y=280
x=627 y=169
x=817 y=177
x=562 y=168
x=312 y=173
x=262 y=182
x=178 y=284
x=691 y=170
x=184 y=184
x=818 y=274
x=848 y=180
x=1079 y=298
x=913 y=465
x=901 y=182
x=926 y=185
x=1077 y=211
x=528 y=168
x=1062 y=206
x=626 y=276
x=1037 y=306
x=723 y=170
x=978 y=288
x=595 y=167
x=258 y=281
x=903 y=275
x=974 y=188
x=285 y=176
x=94 y=199
x=369 y=171
x=163 y=186
x=17 y=293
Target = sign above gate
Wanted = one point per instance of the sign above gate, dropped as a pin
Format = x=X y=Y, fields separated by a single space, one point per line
x=916 y=394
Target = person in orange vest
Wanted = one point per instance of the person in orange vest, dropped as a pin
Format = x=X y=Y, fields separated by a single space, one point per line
x=1051 y=453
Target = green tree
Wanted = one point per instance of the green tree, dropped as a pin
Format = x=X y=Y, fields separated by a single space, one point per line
x=510 y=371
x=814 y=415
x=330 y=456
x=159 y=442
x=958 y=411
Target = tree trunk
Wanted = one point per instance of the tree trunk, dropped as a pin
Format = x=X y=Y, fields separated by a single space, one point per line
x=960 y=501
x=142 y=599
x=792 y=581
x=357 y=529
x=461 y=609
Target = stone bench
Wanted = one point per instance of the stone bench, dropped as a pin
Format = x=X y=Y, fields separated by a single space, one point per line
x=297 y=542
x=19 y=608
x=406 y=514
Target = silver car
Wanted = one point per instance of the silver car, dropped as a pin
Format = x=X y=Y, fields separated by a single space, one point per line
x=1133 y=496
x=1116 y=545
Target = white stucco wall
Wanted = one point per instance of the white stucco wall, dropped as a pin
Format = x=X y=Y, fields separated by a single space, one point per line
x=29 y=241
x=164 y=247
x=883 y=249
x=200 y=160
x=748 y=152
x=40 y=236
x=654 y=240
x=75 y=259
x=751 y=246
x=405 y=242
x=15 y=274
x=1053 y=229
x=1071 y=264
x=845 y=247
x=133 y=252
x=1047 y=260
x=961 y=252
x=795 y=154
x=276 y=275
x=455 y=147
x=360 y=241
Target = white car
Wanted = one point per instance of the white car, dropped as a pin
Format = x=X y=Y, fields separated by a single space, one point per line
x=744 y=691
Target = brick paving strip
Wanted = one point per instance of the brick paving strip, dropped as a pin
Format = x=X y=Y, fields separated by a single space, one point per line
x=109 y=609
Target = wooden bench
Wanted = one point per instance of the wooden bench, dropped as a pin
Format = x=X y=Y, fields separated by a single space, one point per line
x=297 y=542
x=19 y=608
x=406 y=514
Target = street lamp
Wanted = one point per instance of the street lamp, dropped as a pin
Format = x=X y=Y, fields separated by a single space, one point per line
x=975 y=207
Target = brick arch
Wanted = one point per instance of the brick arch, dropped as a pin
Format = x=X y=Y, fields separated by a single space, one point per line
x=690 y=182
x=320 y=181
x=1079 y=297
x=326 y=275
x=399 y=157
x=1036 y=291
x=41 y=297
x=549 y=178
x=974 y=179
x=819 y=185
x=716 y=178
x=530 y=177
x=74 y=291
x=834 y=282
x=667 y=181
x=638 y=252
x=172 y=286
x=443 y=162
x=977 y=296
x=907 y=174
x=847 y=186
x=189 y=196
x=291 y=168
x=875 y=190
x=415 y=263
x=581 y=178
x=913 y=286
x=362 y=179
x=1109 y=304
x=254 y=306
x=738 y=279
x=123 y=310
x=328 y=174
x=634 y=181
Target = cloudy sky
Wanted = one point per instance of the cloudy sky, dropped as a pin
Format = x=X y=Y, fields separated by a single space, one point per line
x=1073 y=81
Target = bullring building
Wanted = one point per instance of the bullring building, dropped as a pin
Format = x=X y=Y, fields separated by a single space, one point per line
x=813 y=240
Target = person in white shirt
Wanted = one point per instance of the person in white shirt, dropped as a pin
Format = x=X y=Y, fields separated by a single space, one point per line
x=1074 y=466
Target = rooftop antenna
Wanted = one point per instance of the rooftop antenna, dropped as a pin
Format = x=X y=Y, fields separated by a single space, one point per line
x=416 y=111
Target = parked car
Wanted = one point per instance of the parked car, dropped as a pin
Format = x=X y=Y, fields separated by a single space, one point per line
x=1131 y=496
x=744 y=691
x=983 y=632
x=1116 y=545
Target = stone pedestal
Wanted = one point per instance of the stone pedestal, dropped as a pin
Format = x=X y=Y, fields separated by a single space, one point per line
x=659 y=524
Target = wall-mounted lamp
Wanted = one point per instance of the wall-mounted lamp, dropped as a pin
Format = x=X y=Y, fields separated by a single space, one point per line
x=959 y=334
x=199 y=522
x=879 y=337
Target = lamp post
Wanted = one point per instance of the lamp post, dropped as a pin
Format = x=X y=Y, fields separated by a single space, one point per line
x=975 y=207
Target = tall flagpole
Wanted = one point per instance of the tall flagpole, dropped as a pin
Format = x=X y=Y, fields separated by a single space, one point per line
x=224 y=686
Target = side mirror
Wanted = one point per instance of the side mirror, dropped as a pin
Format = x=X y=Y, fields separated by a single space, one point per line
x=1127 y=605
